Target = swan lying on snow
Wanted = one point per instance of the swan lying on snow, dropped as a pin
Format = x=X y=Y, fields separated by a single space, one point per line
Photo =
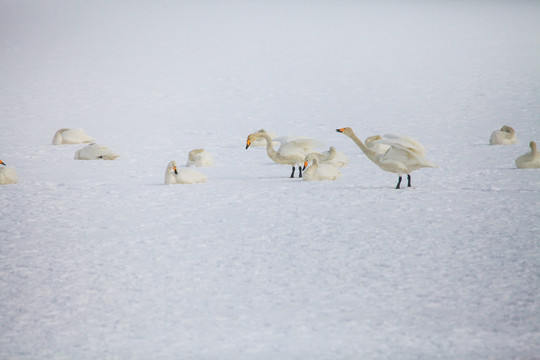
x=200 y=157
x=71 y=136
x=261 y=142
x=173 y=175
x=505 y=136
x=530 y=160
x=95 y=152
x=8 y=175
x=292 y=151
x=323 y=171
x=332 y=156
x=404 y=156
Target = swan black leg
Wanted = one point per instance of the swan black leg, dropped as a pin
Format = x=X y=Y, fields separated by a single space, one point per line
x=408 y=180
x=292 y=174
x=300 y=170
x=398 y=183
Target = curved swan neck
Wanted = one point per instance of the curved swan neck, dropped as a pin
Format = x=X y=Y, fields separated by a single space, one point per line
x=269 y=148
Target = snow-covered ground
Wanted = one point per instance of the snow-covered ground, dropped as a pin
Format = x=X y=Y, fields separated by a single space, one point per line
x=100 y=260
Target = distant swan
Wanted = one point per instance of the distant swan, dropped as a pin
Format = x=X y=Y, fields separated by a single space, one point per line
x=530 y=160
x=505 y=136
x=200 y=158
x=95 y=152
x=173 y=175
x=71 y=136
x=332 y=156
x=318 y=172
x=404 y=156
x=292 y=151
x=8 y=175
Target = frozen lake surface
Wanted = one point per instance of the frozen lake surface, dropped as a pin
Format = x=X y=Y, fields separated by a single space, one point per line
x=99 y=259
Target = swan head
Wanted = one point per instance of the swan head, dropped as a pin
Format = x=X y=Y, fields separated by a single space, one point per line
x=508 y=129
x=172 y=167
x=254 y=136
x=2 y=163
x=532 y=145
x=346 y=130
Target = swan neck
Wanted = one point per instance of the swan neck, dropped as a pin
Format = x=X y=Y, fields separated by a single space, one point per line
x=533 y=148
x=269 y=147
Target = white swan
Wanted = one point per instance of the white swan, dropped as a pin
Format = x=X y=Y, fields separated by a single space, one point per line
x=261 y=142
x=332 y=156
x=505 y=136
x=321 y=171
x=293 y=150
x=200 y=158
x=403 y=157
x=374 y=144
x=8 y=175
x=95 y=152
x=71 y=136
x=530 y=160
x=173 y=175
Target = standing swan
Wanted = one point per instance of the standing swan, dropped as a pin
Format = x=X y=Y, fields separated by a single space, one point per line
x=8 y=175
x=182 y=176
x=95 y=152
x=293 y=150
x=200 y=158
x=530 y=160
x=505 y=136
x=318 y=172
x=403 y=157
x=71 y=136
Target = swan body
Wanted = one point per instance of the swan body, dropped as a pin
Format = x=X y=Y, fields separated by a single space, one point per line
x=505 y=136
x=173 y=175
x=292 y=151
x=530 y=160
x=71 y=136
x=95 y=152
x=332 y=156
x=374 y=144
x=200 y=158
x=261 y=142
x=8 y=175
x=404 y=155
x=321 y=171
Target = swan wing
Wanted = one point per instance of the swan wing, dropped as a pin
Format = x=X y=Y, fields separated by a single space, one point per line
x=297 y=144
x=404 y=142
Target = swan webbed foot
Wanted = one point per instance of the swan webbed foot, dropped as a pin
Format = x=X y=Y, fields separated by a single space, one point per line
x=398 y=183
x=292 y=174
x=408 y=180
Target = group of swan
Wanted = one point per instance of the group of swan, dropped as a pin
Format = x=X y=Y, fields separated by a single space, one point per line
x=393 y=153
x=507 y=136
x=8 y=175
x=292 y=150
x=90 y=152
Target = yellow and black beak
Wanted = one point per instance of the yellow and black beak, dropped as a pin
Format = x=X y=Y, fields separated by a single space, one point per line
x=2 y=163
x=175 y=171
x=248 y=142
x=340 y=130
x=305 y=165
